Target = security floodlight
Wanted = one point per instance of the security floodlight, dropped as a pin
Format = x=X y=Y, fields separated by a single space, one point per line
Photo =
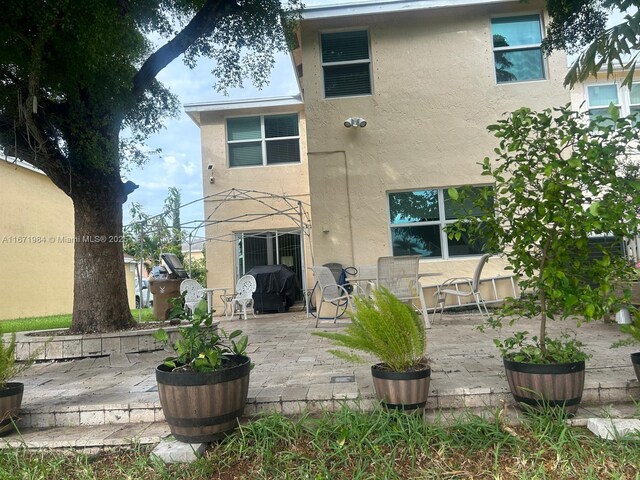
x=355 y=122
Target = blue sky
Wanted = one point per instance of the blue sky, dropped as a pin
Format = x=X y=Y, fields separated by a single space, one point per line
x=179 y=164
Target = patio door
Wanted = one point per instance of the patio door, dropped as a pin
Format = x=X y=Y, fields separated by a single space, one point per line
x=269 y=248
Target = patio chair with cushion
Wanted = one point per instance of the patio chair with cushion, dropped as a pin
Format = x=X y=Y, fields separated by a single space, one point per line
x=470 y=288
x=399 y=275
x=193 y=293
x=243 y=297
x=331 y=292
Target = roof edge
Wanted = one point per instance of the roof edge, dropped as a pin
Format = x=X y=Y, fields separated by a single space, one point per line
x=385 y=6
x=242 y=104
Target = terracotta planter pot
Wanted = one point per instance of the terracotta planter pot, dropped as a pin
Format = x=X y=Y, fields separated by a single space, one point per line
x=10 y=401
x=559 y=384
x=203 y=407
x=401 y=390
x=635 y=360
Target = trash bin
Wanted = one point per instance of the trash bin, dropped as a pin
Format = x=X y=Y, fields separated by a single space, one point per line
x=163 y=289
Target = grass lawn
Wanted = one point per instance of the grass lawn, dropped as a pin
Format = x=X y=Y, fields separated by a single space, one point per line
x=56 y=321
x=349 y=444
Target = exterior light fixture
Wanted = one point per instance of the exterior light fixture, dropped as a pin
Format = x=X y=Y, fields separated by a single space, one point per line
x=355 y=122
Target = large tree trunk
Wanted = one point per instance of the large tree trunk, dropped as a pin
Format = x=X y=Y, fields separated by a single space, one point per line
x=100 y=302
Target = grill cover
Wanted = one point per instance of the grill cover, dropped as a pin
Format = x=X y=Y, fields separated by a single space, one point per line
x=277 y=288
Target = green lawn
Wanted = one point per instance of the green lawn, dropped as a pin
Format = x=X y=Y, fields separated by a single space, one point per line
x=350 y=444
x=56 y=321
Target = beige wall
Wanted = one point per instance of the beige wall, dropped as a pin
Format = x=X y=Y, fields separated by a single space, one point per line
x=286 y=179
x=36 y=246
x=37 y=272
x=434 y=94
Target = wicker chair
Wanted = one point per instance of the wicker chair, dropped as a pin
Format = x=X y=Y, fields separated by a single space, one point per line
x=399 y=275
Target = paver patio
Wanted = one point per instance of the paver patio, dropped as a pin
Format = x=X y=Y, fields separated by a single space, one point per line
x=293 y=372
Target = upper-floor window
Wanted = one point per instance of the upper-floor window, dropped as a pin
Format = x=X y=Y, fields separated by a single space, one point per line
x=517 y=48
x=346 y=64
x=417 y=220
x=263 y=140
x=601 y=96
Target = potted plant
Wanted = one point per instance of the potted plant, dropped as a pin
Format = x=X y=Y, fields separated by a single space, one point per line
x=203 y=387
x=633 y=329
x=11 y=392
x=392 y=332
x=558 y=179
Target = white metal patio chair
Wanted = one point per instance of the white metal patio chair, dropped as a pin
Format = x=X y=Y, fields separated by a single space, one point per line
x=193 y=293
x=399 y=275
x=451 y=286
x=243 y=297
x=330 y=292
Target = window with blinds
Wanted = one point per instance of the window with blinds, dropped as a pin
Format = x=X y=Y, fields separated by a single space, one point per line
x=263 y=140
x=346 y=63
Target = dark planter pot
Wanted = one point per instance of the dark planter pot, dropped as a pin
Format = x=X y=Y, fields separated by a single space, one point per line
x=553 y=385
x=401 y=390
x=10 y=401
x=635 y=359
x=203 y=407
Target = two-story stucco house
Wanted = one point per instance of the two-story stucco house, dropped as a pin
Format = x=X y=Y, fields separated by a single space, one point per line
x=395 y=98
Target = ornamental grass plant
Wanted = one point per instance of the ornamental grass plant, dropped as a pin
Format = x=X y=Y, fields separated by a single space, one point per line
x=386 y=328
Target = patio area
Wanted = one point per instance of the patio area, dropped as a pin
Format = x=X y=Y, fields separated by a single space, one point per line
x=294 y=372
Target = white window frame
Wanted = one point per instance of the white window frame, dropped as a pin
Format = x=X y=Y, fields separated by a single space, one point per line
x=350 y=62
x=442 y=222
x=538 y=46
x=624 y=97
x=619 y=93
x=263 y=140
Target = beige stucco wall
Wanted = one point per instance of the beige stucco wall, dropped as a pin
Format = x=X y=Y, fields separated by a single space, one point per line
x=37 y=264
x=286 y=179
x=434 y=94
x=36 y=246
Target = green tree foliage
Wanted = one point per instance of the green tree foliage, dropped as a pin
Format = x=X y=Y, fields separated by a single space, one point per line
x=75 y=74
x=579 y=24
x=197 y=270
x=559 y=178
x=172 y=208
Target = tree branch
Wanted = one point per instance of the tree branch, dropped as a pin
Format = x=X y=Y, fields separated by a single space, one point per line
x=203 y=23
x=49 y=161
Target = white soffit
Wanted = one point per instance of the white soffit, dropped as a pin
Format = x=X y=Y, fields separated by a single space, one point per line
x=389 y=6
x=225 y=105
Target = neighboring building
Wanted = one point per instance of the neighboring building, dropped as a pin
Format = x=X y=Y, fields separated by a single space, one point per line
x=397 y=98
x=36 y=247
x=598 y=93
x=594 y=97
x=193 y=249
